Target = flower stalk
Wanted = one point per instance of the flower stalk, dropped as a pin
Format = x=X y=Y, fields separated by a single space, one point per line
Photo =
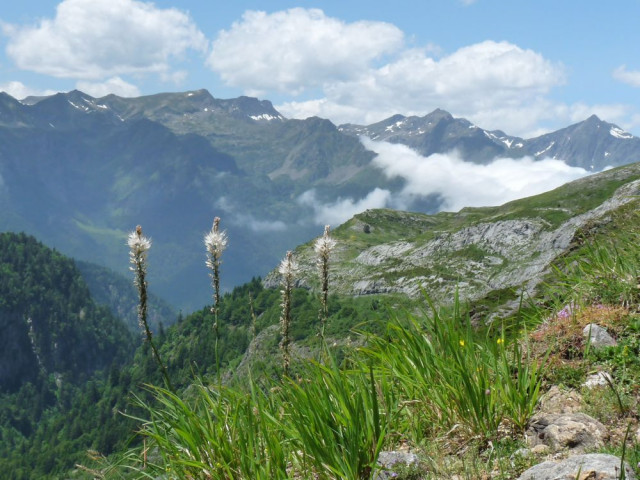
x=323 y=247
x=215 y=242
x=139 y=245
x=288 y=269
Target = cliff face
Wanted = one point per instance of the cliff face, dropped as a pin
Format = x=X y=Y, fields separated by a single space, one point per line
x=474 y=251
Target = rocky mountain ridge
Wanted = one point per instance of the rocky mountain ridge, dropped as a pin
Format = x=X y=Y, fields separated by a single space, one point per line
x=474 y=252
x=592 y=144
x=80 y=172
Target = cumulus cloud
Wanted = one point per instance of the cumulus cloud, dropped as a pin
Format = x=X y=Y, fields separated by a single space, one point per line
x=97 y=39
x=343 y=209
x=115 y=85
x=630 y=77
x=19 y=90
x=464 y=184
x=289 y=51
x=473 y=82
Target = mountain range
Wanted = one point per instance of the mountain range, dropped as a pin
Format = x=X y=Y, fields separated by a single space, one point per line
x=68 y=363
x=80 y=172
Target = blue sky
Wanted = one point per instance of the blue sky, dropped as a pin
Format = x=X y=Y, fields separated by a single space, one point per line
x=520 y=66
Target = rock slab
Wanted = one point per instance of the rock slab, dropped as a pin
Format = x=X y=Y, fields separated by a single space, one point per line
x=594 y=466
x=572 y=431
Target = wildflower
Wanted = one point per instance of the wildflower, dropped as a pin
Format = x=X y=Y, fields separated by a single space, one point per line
x=565 y=313
x=500 y=341
x=323 y=247
x=461 y=342
x=324 y=244
x=139 y=245
x=216 y=242
x=288 y=269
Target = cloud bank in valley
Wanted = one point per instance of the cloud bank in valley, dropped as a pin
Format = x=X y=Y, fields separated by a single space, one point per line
x=237 y=217
x=455 y=182
x=342 y=209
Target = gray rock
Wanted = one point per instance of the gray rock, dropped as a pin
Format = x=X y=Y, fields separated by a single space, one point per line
x=573 y=431
x=557 y=400
x=599 y=379
x=388 y=460
x=582 y=467
x=598 y=336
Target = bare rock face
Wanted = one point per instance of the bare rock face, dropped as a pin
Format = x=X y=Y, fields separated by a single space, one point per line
x=581 y=467
x=569 y=431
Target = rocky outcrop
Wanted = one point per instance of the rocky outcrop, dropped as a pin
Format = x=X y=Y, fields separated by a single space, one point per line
x=472 y=252
x=580 y=467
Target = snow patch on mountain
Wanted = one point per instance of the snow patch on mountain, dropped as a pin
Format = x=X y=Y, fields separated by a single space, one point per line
x=619 y=133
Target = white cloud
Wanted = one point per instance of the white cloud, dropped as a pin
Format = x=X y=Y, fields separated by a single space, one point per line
x=296 y=49
x=19 y=90
x=464 y=184
x=449 y=178
x=249 y=221
x=625 y=76
x=344 y=208
x=115 y=85
x=472 y=82
x=96 y=39
x=246 y=220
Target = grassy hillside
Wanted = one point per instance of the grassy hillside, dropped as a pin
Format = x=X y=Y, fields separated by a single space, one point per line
x=459 y=396
x=390 y=371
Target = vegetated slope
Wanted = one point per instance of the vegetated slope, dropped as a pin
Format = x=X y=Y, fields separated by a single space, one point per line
x=188 y=348
x=476 y=251
x=54 y=339
x=443 y=369
x=79 y=173
x=117 y=292
x=49 y=323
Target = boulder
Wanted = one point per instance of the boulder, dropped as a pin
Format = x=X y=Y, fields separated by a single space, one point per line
x=573 y=431
x=598 y=336
x=594 y=466
x=561 y=401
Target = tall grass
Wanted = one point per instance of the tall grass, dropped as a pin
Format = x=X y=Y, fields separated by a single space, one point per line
x=214 y=433
x=336 y=420
x=448 y=374
x=426 y=375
